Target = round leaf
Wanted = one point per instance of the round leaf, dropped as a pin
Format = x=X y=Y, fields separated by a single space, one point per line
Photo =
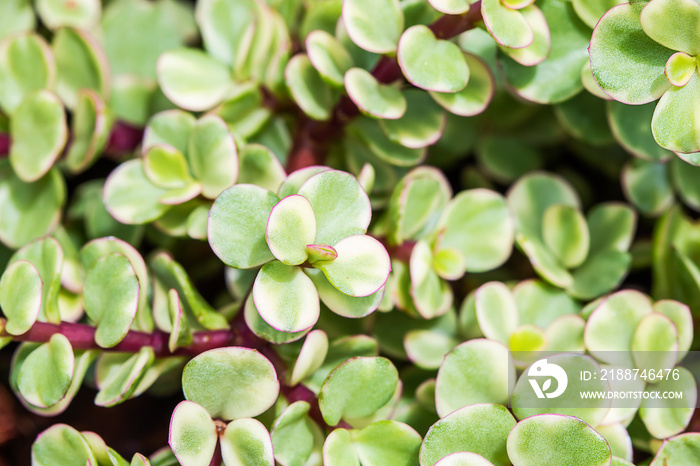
x=193 y=435
x=83 y=14
x=496 y=311
x=371 y=97
x=421 y=125
x=565 y=232
x=241 y=382
x=62 y=444
x=373 y=25
x=212 y=155
x=431 y=64
x=309 y=90
x=26 y=65
x=46 y=374
x=34 y=152
x=311 y=356
x=246 y=442
x=192 y=79
x=237 y=223
x=290 y=228
x=475 y=96
x=328 y=56
x=551 y=438
x=478 y=371
x=130 y=197
x=488 y=426
x=678 y=104
x=20 y=296
x=508 y=27
x=285 y=297
x=357 y=388
x=361 y=268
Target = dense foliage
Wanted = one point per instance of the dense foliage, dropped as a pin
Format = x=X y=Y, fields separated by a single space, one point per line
x=337 y=230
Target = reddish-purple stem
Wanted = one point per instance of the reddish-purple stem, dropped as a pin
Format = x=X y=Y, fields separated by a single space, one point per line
x=124 y=138
x=312 y=138
x=4 y=144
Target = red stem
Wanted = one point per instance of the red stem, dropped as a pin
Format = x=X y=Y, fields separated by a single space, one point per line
x=312 y=138
x=4 y=144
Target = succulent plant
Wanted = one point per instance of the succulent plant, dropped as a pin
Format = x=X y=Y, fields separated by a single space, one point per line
x=262 y=216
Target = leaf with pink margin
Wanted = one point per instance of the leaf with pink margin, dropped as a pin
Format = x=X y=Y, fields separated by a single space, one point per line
x=539 y=49
x=340 y=303
x=431 y=295
x=246 y=442
x=619 y=39
x=451 y=7
x=371 y=97
x=62 y=444
x=373 y=25
x=508 y=27
x=212 y=155
x=285 y=297
x=673 y=24
x=664 y=418
x=675 y=124
x=550 y=437
x=361 y=268
x=476 y=95
x=683 y=448
x=290 y=228
x=118 y=375
x=193 y=436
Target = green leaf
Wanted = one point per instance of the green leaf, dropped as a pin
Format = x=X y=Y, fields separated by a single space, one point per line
x=259 y=166
x=431 y=296
x=130 y=197
x=682 y=318
x=449 y=264
x=212 y=155
x=264 y=330
x=246 y=442
x=34 y=152
x=427 y=348
x=464 y=458
x=590 y=11
x=192 y=79
x=371 y=134
x=80 y=63
x=386 y=442
x=506 y=159
x=477 y=223
x=496 y=311
x=338 y=449
x=647 y=186
x=680 y=68
x=290 y=228
x=612 y=226
x=677 y=105
x=566 y=234
x=544 y=261
x=655 y=343
x=311 y=356
x=315 y=97
x=476 y=95
x=240 y=382
x=541 y=304
x=509 y=27
x=111 y=296
x=619 y=39
x=180 y=334
x=672 y=23
x=328 y=56
x=340 y=204
x=166 y=167
x=681 y=448
x=26 y=65
x=431 y=64
x=550 y=437
x=373 y=25
x=46 y=374
x=20 y=296
x=83 y=14
x=664 y=418
x=356 y=388
x=193 y=436
x=584 y=117
x=478 y=371
x=600 y=274
x=285 y=297
x=227 y=26
x=17 y=16
x=118 y=375
x=90 y=129
x=47 y=256
x=537 y=51
x=172 y=128
x=294 y=434
x=61 y=444
x=421 y=125
x=361 y=268
x=488 y=426
x=610 y=327
x=341 y=303
x=630 y=125
x=451 y=7
x=371 y=97
x=557 y=78
x=237 y=223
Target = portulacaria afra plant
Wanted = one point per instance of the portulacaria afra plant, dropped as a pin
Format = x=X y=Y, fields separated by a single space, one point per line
x=350 y=232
